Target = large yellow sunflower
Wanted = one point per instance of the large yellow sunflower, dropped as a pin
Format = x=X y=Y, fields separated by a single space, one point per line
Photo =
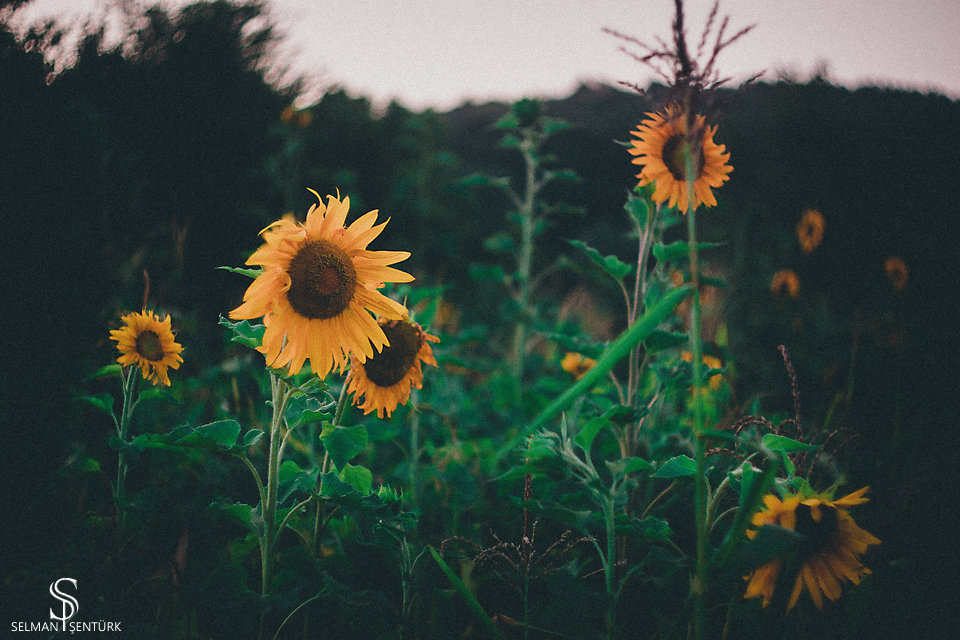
x=661 y=149
x=385 y=380
x=148 y=342
x=319 y=287
x=829 y=553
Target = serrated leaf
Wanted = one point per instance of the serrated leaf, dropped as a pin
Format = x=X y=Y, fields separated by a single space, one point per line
x=678 y=467
x=610 y=264
x=250 y=273
x=358 y=477
x=332 y=486
x=652 y=528
x=243 y=332
x=343 y=443
x=679 y=250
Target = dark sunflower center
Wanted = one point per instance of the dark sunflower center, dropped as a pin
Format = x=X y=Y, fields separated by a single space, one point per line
x=149 y=346
x=675 y=151
x=388 y=367
x=322 y=280
x=816 y=535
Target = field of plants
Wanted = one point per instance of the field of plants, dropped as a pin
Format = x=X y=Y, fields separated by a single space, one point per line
x=675 y=361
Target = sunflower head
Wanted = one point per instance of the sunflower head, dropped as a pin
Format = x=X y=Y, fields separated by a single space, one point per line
x=897 y=272
x=147 y=342
x=386 y=379
x=810 y=230
x=663 y=144
x=785 y=283
x=827 y=554
x=318 y=289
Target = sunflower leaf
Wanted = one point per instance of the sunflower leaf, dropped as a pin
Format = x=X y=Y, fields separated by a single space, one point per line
x=217 y=436
x=343 y=443
x=108 y=370
x=101 y=401
x=358 y=477
x=638 y=210
x=782 y=444
x=249 y=335
x=250 y=273
x=678 y=467
x=660 y=340
x=617 y=269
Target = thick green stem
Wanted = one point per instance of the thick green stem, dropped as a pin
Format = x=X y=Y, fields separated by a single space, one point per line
x=126 y=417
x=699 y=587
x=524 y=262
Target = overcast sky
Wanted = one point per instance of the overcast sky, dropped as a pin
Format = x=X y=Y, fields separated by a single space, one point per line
x=437 y=53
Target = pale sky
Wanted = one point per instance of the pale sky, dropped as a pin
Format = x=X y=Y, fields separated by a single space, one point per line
x=438 y=53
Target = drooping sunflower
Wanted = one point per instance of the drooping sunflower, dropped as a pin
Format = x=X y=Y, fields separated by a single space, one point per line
x=810 y=230
x=785 y=283
x=828 y=553
x=148 y=342
x=319 y=287
x=385 y=379
x=663 y=142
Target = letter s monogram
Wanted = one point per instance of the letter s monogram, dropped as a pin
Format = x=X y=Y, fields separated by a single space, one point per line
x=67 y=600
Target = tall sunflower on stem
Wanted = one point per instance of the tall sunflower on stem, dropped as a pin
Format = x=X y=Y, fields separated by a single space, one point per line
x=319 y=288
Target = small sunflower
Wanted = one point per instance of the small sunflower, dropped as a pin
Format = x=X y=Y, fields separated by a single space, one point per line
x=785 y=283
x=148 y=342
x=319 y=287
x=576 y=364
x=385 y=380
x=829 y=553
x=897 y=271
x=664 y=140
x=810 y=230
x=712 y=362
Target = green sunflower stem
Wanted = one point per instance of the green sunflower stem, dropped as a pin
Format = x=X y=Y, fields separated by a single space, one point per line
x=280 y=395
x=525 y=263
x=129 y=385
x=699 y=586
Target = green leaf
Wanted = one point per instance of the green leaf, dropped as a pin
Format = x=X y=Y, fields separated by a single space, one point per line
x=238 y=512
x=101 y=401
x=782 y=444
x=502 y=242
x=217 y=436
x=660 y=340
x=636 y=464
x=652 y=528
x=292 y=478
x=589 y=432
x=638 y=210
x=249 y=335
x=156 y=393
x=332 y=486
x=487 y=273
x=617 y=350
x=464 y=592
x=678 y=467
x=553 y=125
x=250 y=273
x=250 y=438
x=343 y=443
x=358 y=477
x=563 y=174
x=481 y=180
x=679 y=250
x=610 y=264
x=108 y=370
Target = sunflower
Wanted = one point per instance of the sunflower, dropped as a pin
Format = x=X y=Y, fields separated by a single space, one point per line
x=785 y=283
x=576 y=364
x=664 y=140
x=385 y=380
x=828 y=554
x=810 y=230
x=319 y=287
x=897 y=271
x=147 y=342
